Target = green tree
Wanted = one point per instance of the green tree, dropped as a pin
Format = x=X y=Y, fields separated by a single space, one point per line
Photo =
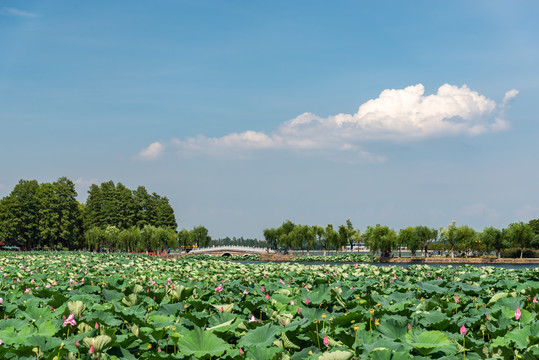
x=284 y=232
x=302 y=237
x=184 y=239
x=20 y=222
x=111 y=238
x=426 y=236
x=521 y=235
x=271 y=236
x=380 y=238
x=331 y=237
x=95 y=237
x=407 y=238
x=449 y=236
x=92 y=210
x=493 y=239
x=467 y=237
x=348 y=235
x=200 y=236
x=320 y=239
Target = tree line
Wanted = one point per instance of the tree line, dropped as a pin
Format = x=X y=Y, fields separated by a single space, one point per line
x=384 y=240
x=295 y=236
x=48 y=216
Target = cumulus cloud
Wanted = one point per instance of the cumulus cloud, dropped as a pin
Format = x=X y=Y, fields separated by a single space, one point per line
x=16 y=12
x=395 y=115
x=152 y=152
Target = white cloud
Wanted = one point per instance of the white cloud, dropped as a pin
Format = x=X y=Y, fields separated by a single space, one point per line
x=16 y=12
x=152 y=152
x=395 y=115
x=508 y=96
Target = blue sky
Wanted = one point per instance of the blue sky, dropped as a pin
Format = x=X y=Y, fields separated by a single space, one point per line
x=245 y=114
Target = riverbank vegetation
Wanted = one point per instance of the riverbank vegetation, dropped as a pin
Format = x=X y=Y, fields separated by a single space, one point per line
x=47 y=216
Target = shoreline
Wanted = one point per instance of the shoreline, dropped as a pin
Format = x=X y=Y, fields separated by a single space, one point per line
x=416 y=260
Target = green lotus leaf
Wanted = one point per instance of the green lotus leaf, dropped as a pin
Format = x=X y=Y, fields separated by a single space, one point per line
x=131 y=300
x=112 y=295
x=202 y=344
x=520 y=337
x=497 y=297
x=380 y=354
x=427 y=341
x=336 y=355
x=262 y=353
x=261 y=336
x=393 y=327
x=224 y=307
x=99 y=342
x=76 y=308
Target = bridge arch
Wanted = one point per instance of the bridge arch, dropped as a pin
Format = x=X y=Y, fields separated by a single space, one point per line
x=226 y=254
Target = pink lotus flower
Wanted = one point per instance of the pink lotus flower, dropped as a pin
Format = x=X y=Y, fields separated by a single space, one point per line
x=219 y=288
x=222 y=310
x=534 y=299
x=518 y=313
x=267 y=296
x=299 y=311
x=252 y=319
x=307 y=301
x=326 y=340
x=1 y=342
x=262 y=291
x=245 y=292
x=241 y=351
x=96 y=326
x=488 y=317
x=291 y=302
x=456 y=299
x=91 y=351
x=70 y=320
x=463 y=330
x=1 y=300
x=77 y=344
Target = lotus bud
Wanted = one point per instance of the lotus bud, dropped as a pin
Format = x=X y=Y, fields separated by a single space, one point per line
x=326 y=341
x=91 y=351
x=77 y=344
x=518 y=313
x=241 y=351
x=463 y=330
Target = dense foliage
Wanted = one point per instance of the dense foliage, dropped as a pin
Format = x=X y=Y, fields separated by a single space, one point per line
x=47 y=215
x=96 y=306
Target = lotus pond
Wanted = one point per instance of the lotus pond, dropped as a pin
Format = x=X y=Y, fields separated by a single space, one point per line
x=112 y=306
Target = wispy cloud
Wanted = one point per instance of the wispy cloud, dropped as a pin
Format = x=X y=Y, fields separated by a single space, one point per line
x=152 y=152
x=16 y=12
x=395 y=115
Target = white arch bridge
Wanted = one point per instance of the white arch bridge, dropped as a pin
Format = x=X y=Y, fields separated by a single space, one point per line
x=231 y=250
